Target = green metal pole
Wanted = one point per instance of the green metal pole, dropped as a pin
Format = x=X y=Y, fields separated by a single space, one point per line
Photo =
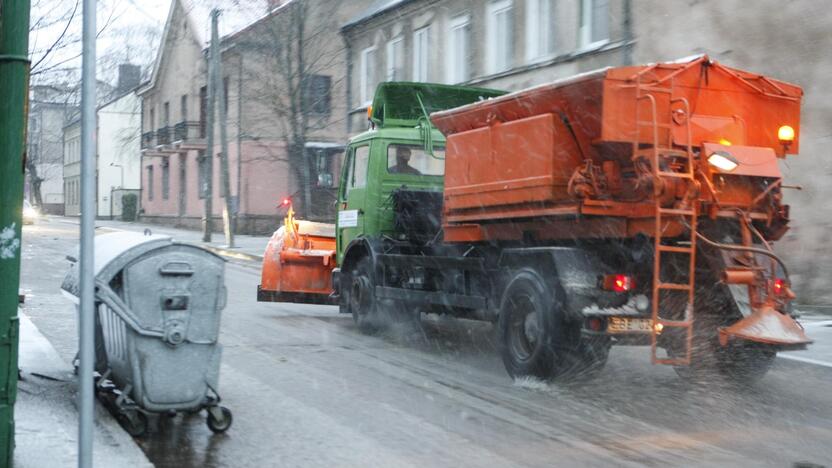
x=14 y=86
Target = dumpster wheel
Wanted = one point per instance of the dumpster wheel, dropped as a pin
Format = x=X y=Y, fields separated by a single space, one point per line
x=219 y=423
x=134 y=422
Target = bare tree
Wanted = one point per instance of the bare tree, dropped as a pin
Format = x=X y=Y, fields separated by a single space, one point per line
x=55 y=50
x=294 y=79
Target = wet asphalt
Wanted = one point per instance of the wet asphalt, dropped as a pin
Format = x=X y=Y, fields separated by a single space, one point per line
x=307 y=389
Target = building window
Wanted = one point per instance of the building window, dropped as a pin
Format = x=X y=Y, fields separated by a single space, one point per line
x=202 y=174
x=183 y=181
x=395 y=59
x=183 y=107
x=317 y=94
x=152 y=119
x=368 y=75
x=421 y=47
x=165 y=180
x=457 y=54
x=225 y=94
x=166 y=114
x=540 y=34
x=594 y=23
x=203 y=110
x=149 y=182
x=499 y=32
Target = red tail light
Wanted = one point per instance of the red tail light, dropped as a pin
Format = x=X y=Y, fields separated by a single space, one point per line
x=618 y=283
x=779 y=286
x=285 y=202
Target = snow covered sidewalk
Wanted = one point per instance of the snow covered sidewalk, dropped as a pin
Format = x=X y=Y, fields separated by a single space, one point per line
x=46 y=414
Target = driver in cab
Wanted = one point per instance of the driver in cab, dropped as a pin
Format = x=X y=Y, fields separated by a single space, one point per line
x=402 y=162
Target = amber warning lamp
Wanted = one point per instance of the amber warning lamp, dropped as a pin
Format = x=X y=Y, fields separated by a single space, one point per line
x=786 y=136
x=370 y=117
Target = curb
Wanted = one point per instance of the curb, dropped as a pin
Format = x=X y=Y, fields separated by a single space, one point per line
x=224 y=252
x=229 y=253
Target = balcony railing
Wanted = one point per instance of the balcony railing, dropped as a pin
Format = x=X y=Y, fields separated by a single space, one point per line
x=163 y=136
x=147 y=140
x=185 y=131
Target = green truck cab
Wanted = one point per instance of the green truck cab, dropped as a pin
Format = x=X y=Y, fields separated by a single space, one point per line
x=401 y=148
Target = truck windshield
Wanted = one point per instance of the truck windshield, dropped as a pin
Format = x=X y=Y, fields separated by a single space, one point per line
x=412 y=159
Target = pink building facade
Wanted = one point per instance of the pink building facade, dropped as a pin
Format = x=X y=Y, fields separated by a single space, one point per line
x=174 y=115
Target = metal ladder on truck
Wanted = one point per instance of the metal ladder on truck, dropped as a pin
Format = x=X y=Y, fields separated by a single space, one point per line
x=661 y=155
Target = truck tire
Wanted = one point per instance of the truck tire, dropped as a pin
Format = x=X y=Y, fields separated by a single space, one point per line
x=741 y=363
x=359 y=296
x=585 y=359
x=746 y=363
x=530 y=327
x=370 y=313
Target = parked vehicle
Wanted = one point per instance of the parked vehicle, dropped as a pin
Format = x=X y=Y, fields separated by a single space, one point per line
x=630 y=205
x=30 y=213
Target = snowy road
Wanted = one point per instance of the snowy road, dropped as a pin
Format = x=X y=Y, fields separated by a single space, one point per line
x=307 y=389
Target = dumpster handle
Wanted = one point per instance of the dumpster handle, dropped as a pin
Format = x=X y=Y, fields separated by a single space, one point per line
x=176 y=269
x=107 y=296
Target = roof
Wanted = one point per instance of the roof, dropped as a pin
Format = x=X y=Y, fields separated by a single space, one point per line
x=235 y=16
x=118 y=96
x=375 y=9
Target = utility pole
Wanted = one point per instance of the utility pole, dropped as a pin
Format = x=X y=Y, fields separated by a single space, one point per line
x=208 y=167
x=86 y=322
x=220 y=86
x=14 y=91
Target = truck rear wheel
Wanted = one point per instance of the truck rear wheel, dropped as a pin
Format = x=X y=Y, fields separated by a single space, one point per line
x=527 y=331
x=746 y=363
x=743 y=363
x=535 y=340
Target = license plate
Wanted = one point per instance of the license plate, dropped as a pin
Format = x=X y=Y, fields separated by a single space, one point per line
x=629 y=325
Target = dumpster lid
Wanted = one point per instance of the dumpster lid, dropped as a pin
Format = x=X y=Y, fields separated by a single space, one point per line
x=112 y=253
x=123 y=247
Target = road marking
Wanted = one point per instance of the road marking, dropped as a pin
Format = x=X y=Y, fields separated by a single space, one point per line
x=807 y=360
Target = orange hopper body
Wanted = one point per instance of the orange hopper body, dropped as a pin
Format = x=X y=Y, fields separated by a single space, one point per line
x=298 y=263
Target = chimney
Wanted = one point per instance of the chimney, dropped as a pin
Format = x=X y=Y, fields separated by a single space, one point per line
x=129 y=76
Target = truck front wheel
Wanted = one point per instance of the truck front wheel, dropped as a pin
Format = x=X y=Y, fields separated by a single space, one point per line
x=358 y=296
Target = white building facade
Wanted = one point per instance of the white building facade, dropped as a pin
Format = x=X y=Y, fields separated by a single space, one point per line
x=118 y=161
x=72 y=168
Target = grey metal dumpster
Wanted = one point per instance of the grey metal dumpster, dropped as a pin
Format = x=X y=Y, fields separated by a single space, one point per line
x=158 y=317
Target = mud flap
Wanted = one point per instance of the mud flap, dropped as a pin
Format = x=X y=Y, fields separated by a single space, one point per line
x=767 y=326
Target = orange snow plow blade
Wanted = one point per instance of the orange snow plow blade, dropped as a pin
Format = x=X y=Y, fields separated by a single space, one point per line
x=768 y=326
x=298 y=263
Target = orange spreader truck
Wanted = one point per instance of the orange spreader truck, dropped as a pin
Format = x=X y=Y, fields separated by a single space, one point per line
x=626 y=206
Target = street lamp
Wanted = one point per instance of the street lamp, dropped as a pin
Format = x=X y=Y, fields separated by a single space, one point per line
x=121 y=185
